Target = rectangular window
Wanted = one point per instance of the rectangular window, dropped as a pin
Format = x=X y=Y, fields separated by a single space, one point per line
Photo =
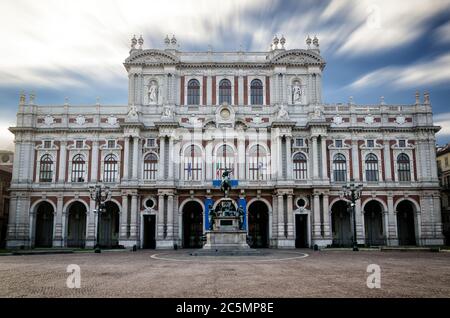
x=79 y=144
x=402 y=143
x=370 y=143
x=111 y=144
x=151 y=142
x=338 y=143
x=299 y=142
x=47 y=144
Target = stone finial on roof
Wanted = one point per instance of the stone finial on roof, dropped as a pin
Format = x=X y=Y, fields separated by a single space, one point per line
x=22 y=98
x=382 y=100
x=32 y=98
x=133 y=42
x=173 y=41
x=275 y=42
x=141 y=42
x=426 y=98
x=308 y=42
x=167 y=40
x=417 y=97
x=316 y=42
x=282 y=42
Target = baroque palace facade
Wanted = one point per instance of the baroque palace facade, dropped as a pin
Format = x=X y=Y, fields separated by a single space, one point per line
x=190 y=115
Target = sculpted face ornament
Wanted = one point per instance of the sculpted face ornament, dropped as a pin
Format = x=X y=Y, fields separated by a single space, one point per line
x=80 y=120
x=369 y=120
x=49 y=120
x=400 y=120
x=337 y=120
x=112 y=121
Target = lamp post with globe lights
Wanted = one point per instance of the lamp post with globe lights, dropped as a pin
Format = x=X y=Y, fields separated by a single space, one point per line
x=100 y=194
x=352 y=192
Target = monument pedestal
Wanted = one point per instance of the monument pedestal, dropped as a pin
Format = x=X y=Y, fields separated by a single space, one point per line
x=226 y=235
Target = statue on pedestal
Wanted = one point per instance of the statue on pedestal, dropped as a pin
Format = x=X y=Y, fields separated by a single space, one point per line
x=211 y=216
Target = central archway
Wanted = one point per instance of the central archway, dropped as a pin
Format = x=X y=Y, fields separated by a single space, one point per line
x=109 y=226
x=405 y=223
x=76 y=230
x=192 y=225
x=373 y=223
x=340 y=223
x=44 y=225
x=258 y=224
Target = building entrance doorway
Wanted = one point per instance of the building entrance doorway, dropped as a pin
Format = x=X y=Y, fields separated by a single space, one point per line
x=149 y=240
x=258 y=225
x=301 y=230
x=192 y=225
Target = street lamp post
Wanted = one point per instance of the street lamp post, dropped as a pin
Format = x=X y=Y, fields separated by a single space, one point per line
x=352 y=192
x=100 y=194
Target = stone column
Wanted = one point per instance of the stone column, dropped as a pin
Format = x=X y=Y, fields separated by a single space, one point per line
x=326 y=217
x=135 y=157
x=94 y=163
x=57 y=231
x=386 y=226
x=387 y=161
x=126 y=158
x=241 y=156
x=419 y=228
x=161 y=158
x=324 y=159
x=124 y=218
x=274 y=153
x=208 y=163
x=275 y=220
x=315 y=158
x=355 y=159
x=316 y=210
x=62 y=161
x=288 y=158
x=133 y=219
x=170 y=159
x=392 y=222
x=359 y=223
x=281 y=221
x=170 y=216
x=290 y=217
x=91 y=227
x=160 y=218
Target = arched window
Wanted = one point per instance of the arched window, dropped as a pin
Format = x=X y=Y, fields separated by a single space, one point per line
x=193 y=163
x=340 y=168
x=371 y=167
x=46 y=169
x=256 y=92
x=403 y=167
x=150 y=166
x=225 y=91
x=78 y=168
x=224 y=160
x=257 y=163
x=193 y=92
x=300 y=166
x=110 y=168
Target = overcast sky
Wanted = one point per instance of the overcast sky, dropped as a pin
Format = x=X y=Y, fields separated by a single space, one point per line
x=75 y=49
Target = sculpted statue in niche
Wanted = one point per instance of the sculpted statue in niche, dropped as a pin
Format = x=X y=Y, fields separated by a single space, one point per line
x=296 y=93
x=153 y=92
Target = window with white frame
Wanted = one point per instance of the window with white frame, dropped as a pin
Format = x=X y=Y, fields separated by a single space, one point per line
x=371 y=168
x=78 y=168
x=79 y=144
x=370 y=143
x=299 y=142
x=46 y=168
x=402 y=143
x=403 y=168
x=338 y=143
x=151 y=142
x=300 y=166
x=111 y=144
x=225 y=91
x=47 y=144
x=193 y=92
x=224 y=160
x=193 y=163
x=257 y=163
x=150 y=166
x=110 y=167
x=340 y=168
x=256 y=92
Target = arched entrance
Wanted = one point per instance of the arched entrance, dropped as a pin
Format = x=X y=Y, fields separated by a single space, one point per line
x=109 y=226
x=340 y=223
x=373 y=223
x=192 y=225
x=76 y=227
x=44 y=225
x=405 y=223
x=258 y=225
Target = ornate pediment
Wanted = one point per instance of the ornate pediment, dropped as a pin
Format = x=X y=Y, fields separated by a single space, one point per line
x=151 y=57
x=299 y=57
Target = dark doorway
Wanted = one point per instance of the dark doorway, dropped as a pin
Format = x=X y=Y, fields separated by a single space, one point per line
x=44 y=225
x=149 y=231
x=76 y=229
x=340 y=224
x=109 y=226
x=192 y=225
x=405 y=223
x=373 y=223
x=258 y=225
x=301 y=230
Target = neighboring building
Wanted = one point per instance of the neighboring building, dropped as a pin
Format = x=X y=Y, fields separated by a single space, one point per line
x=6 y=165
x=443 y=162
x=189 y=116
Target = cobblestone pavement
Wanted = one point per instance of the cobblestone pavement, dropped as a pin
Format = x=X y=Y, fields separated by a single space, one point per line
x=276 y=274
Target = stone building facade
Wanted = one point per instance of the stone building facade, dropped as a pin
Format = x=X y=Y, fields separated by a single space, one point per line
x=443 y=162
x=189 y=116
x=6 y=164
